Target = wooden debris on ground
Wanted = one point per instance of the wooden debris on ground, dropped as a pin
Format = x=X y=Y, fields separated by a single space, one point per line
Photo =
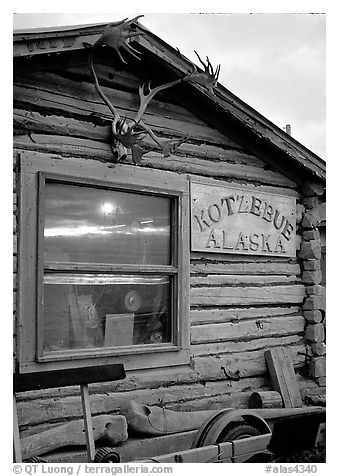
x=154 y=420
x=265 y=399
x=113 y=428
x=284 y=380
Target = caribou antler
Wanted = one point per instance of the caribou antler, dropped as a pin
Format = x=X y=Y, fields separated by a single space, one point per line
x=146 y=98
x=207 y=78
x=116 y=35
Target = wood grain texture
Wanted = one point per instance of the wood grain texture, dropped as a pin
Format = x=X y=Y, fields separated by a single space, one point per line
x=41 y=410
x=198 y=396
x=280 y=366
x=72 y=434
x=234 y=347
x=265 y=399
x=82 y=100
x=233 y=296
x=68 y=146
x=239 y=365
x=217 y=315
x=247 y=330
x=233 y=280
x=209 y=266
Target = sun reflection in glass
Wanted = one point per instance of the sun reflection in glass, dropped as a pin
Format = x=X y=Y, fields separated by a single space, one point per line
x=107 y=208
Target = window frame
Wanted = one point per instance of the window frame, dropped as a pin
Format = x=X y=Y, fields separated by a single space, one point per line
x=35 y=169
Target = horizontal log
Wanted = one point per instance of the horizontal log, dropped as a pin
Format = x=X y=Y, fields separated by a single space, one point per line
x=256 y=268
x=59 y=125
x=246 y=330
x=107 y=75
x=217 y=169
x=240 y=365
x=233 y=280
x=41 y=410
x=85 y=102
x=233 y=296
x=243 y=346
x=236 y=399
x=265 y=399
x=222 y=257
x=175 y=163
x=124 y=91
x=210 y=315
x=218 y=402
x=33 y=121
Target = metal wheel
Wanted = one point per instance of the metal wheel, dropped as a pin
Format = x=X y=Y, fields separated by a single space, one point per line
x=237 y=431
x=106 y=455
x=229 y=425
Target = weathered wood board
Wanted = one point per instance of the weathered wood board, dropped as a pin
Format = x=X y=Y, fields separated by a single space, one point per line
x=233 y=296
x=283 y=377
x=72 y=434
x=226 y=219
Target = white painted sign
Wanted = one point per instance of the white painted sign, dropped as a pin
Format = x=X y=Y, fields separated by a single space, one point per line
x=240 y=220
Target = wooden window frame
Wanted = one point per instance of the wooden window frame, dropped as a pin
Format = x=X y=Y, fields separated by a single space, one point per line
x=35 y=169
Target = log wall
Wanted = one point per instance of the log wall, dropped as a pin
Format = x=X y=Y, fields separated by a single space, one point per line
x=240 y=305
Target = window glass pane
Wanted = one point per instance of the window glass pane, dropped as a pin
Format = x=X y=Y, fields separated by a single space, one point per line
x=86 y=311
x=92 y=225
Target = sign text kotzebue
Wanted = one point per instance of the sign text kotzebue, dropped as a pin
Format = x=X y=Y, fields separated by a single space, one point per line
x=229 y=220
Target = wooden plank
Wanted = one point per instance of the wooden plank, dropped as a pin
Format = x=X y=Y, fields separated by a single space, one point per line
x=64 y=377
x=16 y=435
x=33 y=162
x=86 y=410
x=247 y=330
x=250 y=187
x=234 y=280
x=207 y=454
x=283 y=377
x=233 y=296
x=228 y=314
x=135 y=448
x=226 y=347
x=217 y=169
x=240 y=268
x=249 y=446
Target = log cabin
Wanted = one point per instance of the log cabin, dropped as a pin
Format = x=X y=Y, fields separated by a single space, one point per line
x=217 y=259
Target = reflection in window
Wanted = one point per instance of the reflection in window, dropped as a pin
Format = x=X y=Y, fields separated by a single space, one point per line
x=105 y=311
x=93 y=225
x=102 y=307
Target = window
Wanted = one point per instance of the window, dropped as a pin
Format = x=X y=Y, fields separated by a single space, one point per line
x=110 y=261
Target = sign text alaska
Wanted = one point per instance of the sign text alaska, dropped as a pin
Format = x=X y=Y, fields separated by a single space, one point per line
x=240 y=220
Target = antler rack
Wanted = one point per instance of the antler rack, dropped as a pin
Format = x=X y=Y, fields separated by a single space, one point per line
x=130 y=133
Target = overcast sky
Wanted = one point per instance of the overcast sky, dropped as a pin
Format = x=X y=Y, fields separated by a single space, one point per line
x=275 y=62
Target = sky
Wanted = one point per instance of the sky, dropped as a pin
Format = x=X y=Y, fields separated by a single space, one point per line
x=275 y=62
